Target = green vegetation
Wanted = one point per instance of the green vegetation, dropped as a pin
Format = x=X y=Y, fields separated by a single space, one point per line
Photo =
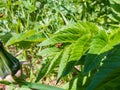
x=63 y=44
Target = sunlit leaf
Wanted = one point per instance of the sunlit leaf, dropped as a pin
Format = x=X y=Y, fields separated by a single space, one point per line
x=63 y=61
x=28 y=36
x=48 y=66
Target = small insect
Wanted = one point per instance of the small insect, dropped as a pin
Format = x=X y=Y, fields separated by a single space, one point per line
x=58 y=45
x=2 y=14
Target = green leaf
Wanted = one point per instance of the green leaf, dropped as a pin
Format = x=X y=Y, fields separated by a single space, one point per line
x=78 y=28
x=72 y=85
x=28 y=36
x=114 y=17
x=5 y=37
x=99 y=47
x=48 y=51
x=111 y=80
x=19 y=37
x=41 y=86
x=75 y=83
x=100 y=43
x=71 y=29
x=2 y=4
x=63 y=61
x=79 y=36
x=115 y=8
x=115 y=5
x=114 y=37
x=110 y=63
x=114 y=1
x=62 y=38
x=78 y=49
x=37 y=37
x=49 y=66
x=32 y=86
x=71 y=33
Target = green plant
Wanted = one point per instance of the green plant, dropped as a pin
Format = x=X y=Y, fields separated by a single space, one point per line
x=77 y=52
x=83 y=44
x=115 y=16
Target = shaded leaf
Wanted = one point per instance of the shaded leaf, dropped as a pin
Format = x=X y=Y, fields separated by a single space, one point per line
x=99 y=47
x=111 y=80
x=115 y=5
x=111 y=63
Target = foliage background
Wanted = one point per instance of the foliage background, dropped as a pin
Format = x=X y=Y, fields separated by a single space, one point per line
x=74 y=43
